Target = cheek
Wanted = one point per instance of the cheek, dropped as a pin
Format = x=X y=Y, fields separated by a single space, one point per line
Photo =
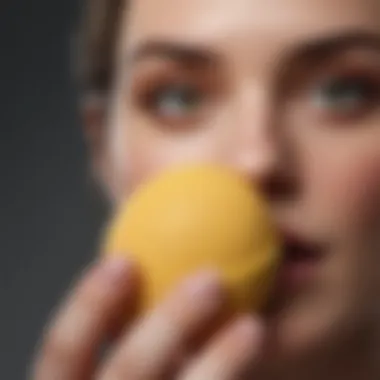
x=148 y=156
x=345 y=187
x=148 y=151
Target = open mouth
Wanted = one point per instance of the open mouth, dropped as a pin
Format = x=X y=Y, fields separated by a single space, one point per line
x=301 y=257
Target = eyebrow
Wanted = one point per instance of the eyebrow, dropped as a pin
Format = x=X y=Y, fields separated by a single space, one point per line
x=316 y=50
x=323 y=48
x=180 y=52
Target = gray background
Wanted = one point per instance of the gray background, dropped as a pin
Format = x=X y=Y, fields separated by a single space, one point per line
x=49 y=215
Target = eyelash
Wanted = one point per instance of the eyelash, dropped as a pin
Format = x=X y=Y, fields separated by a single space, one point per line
x=147 y=97
x=366 y=80
x=151 y=97
x=332 y=97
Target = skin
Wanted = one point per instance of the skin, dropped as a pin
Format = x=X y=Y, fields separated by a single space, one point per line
x=257 y=95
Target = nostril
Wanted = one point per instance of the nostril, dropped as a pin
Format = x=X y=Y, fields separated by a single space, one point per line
x=280 y=186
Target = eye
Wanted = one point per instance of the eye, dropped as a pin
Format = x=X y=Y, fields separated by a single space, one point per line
x=345 y=96
x=174 y=101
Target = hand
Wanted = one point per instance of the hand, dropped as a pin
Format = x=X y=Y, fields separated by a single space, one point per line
x=148 y=348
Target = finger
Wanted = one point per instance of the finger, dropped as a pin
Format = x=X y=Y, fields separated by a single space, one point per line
x=73 y=340
x=230 y=354
x=149 y=352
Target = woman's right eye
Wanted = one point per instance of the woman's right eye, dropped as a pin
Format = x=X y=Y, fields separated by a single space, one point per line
x=174 y=102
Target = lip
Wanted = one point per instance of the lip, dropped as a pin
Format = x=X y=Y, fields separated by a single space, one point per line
x=301 y=257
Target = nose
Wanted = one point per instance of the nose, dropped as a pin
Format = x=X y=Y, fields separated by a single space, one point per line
x=258 y=148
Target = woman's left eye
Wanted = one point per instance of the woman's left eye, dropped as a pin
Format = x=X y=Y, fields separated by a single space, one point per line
x=347 y=95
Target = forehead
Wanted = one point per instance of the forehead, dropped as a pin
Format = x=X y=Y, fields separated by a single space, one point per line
x=215 y=21
x=247 y=26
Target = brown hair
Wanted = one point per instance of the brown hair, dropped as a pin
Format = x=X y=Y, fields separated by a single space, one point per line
x=94 y=44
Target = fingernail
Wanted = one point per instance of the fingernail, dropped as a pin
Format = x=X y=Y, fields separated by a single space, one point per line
x=115 y=268
x=247 y=326
x=204 y=285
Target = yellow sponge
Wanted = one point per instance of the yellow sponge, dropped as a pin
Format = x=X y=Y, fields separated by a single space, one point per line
x=197 y=217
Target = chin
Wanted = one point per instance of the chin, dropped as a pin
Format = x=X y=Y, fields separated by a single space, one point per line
x=304 y=335
x=303 y=311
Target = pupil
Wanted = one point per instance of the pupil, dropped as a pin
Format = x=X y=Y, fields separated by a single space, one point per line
x=180 y=98
x=349 y=91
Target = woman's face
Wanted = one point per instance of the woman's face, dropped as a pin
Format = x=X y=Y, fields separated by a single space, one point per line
x=287 y=92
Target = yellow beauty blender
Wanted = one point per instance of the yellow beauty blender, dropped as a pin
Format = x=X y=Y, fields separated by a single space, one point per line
x=197 y=217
